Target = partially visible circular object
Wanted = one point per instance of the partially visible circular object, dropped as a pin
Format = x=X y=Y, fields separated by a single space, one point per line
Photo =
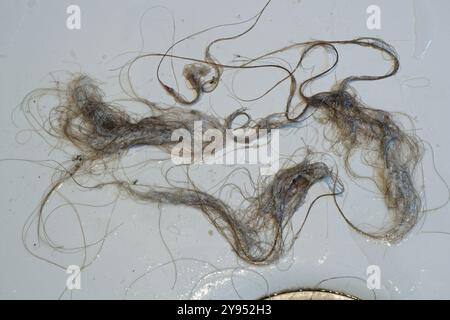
x=311 y=294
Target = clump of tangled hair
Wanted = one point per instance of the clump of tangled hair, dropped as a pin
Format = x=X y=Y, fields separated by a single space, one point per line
x=99 y=129
x=258 y=232
x=393 y=153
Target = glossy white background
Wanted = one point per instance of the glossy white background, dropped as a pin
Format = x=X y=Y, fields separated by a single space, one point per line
x=34 y=42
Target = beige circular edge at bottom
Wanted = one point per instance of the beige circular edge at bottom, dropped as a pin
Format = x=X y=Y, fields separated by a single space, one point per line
x=311 y=294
